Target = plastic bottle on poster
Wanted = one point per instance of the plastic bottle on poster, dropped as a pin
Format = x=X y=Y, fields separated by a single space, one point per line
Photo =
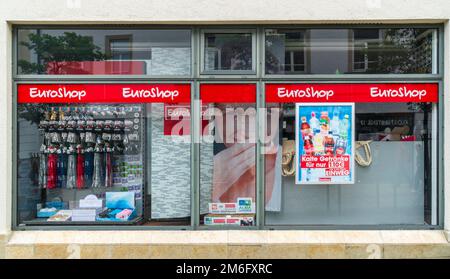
x=334 y=123
x=341 y=146
x=308 y=146
x=305 y=128
x=314 y=123
x=329 y=144
x=345 y=125
x=324 y=122
x=318 y=143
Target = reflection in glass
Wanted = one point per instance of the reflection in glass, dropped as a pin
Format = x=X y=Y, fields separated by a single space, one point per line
x=394 y=189
x=228 y=164
x=228 y=52
x=90 y=162
x=349 y=51
x=104 y=52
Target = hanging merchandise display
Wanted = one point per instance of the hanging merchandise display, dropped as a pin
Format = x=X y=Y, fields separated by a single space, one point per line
x=80 y=146
x=71 y=162
x=90 y=164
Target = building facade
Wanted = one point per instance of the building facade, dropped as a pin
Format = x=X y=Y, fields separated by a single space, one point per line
x=212 y=129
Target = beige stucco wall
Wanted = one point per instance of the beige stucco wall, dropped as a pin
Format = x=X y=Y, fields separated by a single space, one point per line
x=197 y=11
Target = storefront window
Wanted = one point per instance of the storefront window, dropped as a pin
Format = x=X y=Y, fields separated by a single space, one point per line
x=350 y=51
x=85 y=152
x=337 y=152
x=393 y=179
x=104 y=52
x=228 y=155
x=228 y=52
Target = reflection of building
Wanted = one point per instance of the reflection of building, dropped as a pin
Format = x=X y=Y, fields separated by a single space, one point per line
x=338 y=51
x=133 y=53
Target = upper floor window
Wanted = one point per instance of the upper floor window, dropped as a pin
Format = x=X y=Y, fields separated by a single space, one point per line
x=228 y=51
x=350 y=51
x=104 y=52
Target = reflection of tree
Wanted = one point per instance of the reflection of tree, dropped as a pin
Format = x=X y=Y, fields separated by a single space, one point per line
x=272 y=62
x=55 y=51
x=32 y=112
x=398 y=52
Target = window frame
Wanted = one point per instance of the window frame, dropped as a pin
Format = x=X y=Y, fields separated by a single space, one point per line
x=437 y=65
x=257 y=76
x=17 y=76
x=203 y=71
x=437 y=162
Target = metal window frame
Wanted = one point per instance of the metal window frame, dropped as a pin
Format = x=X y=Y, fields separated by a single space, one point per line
x=17 y=76
x=437 y=158
x=257 y=76
x=228 y=73
x=438 y=75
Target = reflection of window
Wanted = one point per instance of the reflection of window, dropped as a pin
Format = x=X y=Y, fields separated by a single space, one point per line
x=119 y=48
x=294 y=57
x=228 y=51
x=360 y=59
x=294 y=61
x=346 y=51
x=285 y=52
x=363 y=60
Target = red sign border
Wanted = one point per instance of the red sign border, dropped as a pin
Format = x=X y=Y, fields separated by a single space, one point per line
x=351 y=92
x=104 y=93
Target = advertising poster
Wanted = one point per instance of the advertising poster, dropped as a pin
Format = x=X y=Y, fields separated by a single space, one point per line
x=324 y=143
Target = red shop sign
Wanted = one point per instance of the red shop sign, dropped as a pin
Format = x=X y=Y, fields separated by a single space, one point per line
x=104 y=93
x=354 y=92
x=228 y=93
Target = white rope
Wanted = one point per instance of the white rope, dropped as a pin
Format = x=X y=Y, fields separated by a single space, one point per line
x=363 y=162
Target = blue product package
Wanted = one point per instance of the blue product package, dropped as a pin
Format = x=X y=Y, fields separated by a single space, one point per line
x=56 y=204
x=120 y=200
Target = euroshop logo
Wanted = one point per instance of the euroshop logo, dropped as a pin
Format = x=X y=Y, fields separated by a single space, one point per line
x=152 y=93
x=309 y=92
x=61 y=92
x=401 y=92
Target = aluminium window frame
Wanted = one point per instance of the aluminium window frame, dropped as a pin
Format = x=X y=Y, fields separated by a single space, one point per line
x=202 y=65
x=259 y=77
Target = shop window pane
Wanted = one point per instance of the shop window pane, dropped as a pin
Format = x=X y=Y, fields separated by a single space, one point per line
x=169 y=158
x=106 y=162
x=228 y=155
x=228 y=52
x=104 y=52
x=396 y=188
x=349 y=51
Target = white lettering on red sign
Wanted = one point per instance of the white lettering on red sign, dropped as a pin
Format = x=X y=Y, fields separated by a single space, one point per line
x=59 y=93
x=309 y=92
x=400 y=92
x=152 y=93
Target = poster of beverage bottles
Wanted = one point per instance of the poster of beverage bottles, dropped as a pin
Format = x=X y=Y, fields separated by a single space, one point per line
x=324 y=143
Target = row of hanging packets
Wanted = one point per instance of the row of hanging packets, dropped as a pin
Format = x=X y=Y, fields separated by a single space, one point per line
x=60 y=121
x=69 y=160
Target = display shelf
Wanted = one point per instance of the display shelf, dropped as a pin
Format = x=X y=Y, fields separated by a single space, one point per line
x=43 y=221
